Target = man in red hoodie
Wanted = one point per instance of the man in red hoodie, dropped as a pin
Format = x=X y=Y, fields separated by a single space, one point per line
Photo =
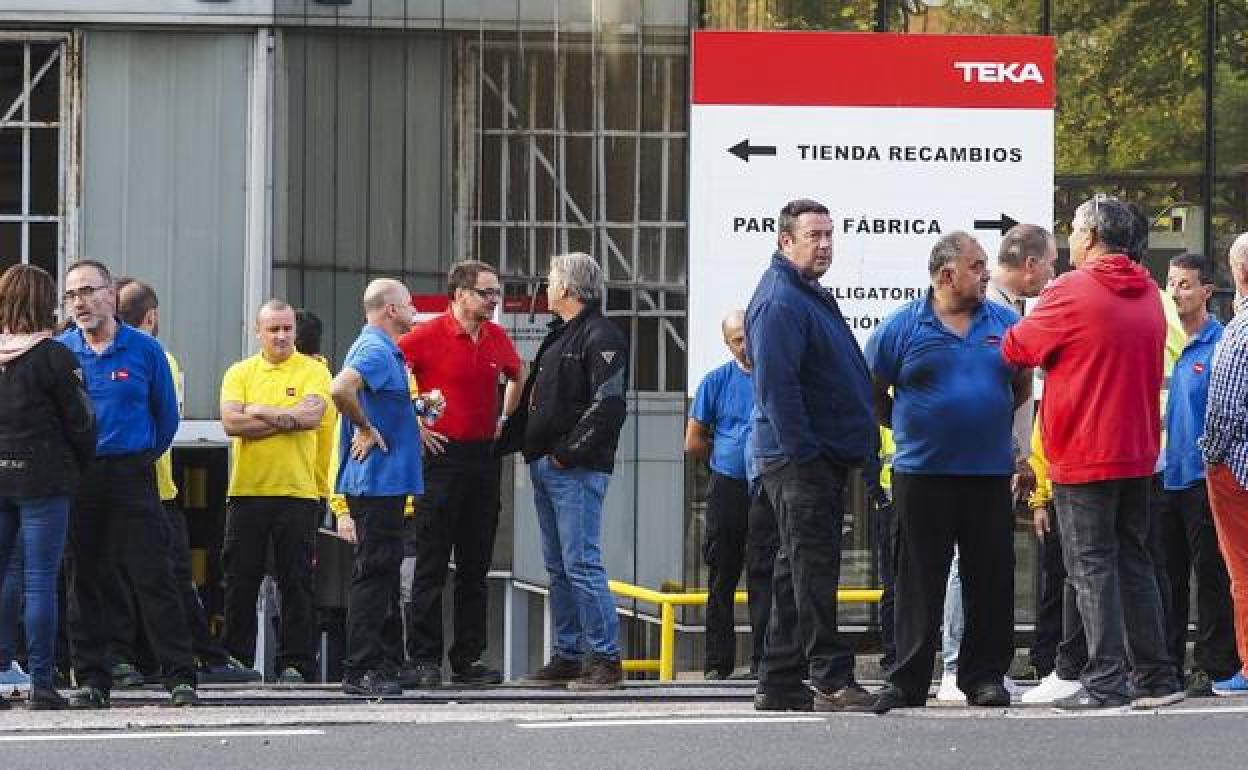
x=1098 y=333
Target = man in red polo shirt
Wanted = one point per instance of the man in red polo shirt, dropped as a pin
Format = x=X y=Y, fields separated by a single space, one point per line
x=462 y=353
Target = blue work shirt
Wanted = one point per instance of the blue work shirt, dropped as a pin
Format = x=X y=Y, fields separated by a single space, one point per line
x=1185 y=408
x=386 y=402
x=953 y=404
x=723 y=403
x=131 y=388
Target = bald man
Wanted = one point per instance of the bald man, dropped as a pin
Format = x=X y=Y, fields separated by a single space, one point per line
x=273 y=405
x=740 y=527
x=379 y=467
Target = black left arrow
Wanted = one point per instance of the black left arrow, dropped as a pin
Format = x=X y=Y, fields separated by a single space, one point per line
x=743 y=149
x=1003 y=224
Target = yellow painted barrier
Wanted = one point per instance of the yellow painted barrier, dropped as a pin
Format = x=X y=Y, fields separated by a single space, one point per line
x=667 y=602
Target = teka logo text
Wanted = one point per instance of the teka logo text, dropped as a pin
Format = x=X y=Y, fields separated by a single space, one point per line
x=999 y=72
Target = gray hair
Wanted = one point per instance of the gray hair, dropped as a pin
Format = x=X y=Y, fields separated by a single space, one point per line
x=1238 y=253
x=734 y=320
x=1111 y=220
x=1023 y=241
x=946 y=251
x=579 y=274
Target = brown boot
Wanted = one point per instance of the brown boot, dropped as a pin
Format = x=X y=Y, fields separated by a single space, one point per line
x=601 y=673
x=557 y=673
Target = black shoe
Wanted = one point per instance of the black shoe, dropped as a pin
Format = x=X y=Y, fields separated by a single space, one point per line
x=291 y=676
x=228 y=671
x=1157 y=698
x=557 y=673
x=599 y=673
x=4 y=703
x=1086 y=701
x=89 y=698
x=991 y=694
x=183 y=695
x=46 y=699
x=891 y=697
x=476 y=672
x=784 y=700
x=851 y=698
x=1199 y=684
x=421 y=676
x=372 y=684
x=126 y=676
x=716 y=676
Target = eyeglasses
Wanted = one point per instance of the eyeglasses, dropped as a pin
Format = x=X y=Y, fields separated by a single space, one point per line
x=488 y=294
x=86 y=292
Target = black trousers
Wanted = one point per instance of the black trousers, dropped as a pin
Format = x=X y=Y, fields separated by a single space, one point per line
x=934 y=513
x=118 y=528
x=374 y=581
x=129 y=645
x=808 y=501
x=740 y=533
x=1050 y=588
x=458 y=512
x=1192 y=545
x=287 y=527
x=885 y=534
x=1158 y=548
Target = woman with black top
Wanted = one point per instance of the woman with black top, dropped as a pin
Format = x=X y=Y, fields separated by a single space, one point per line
x=47 y=438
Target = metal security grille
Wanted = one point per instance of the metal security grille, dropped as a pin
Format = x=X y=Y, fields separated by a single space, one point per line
x=580 y=145
x=34 y=105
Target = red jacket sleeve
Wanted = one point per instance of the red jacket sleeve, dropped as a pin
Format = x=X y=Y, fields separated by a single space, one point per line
x=1037 y=337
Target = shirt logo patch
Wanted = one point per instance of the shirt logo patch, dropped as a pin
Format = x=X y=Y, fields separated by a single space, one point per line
x=290 y=391
x=1198 y=368
x=992 y=339
x=120 y=375
x=608 y=356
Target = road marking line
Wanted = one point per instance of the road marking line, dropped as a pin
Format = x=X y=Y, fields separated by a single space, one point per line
x=665 y=722
x=105 y=736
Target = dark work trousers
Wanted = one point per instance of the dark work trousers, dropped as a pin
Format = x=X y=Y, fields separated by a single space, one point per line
x=374 y=577
x=933 y=514
x=808 y=500
x=129 y=644
x=458 y=512
x=1072 y=648
x=118 y=523
x=287 y=525
x=1104 y=528
x=725 y=550
x=761 y=544
x=1050 y=587
x=885 y=534
x=1158 y=551
x=1192 y=545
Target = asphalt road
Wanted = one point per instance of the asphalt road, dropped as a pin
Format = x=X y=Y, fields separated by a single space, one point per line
x=1204 y=734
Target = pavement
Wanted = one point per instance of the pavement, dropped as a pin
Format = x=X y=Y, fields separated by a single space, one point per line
x=641 y=725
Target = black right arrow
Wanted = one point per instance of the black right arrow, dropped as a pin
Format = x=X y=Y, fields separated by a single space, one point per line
x=743 y=150
x=1003 y=224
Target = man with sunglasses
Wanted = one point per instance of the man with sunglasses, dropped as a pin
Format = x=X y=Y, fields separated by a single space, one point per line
x=464 y=354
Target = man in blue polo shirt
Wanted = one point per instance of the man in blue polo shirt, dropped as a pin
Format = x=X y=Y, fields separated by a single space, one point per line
x=1191 y=541
x=951 y=408
x=117 y=522
x=717 y=432
x=379 y=467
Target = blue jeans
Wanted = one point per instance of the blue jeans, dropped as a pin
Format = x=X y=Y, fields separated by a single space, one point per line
x=11 y=607
x=42 y=523
x=569 y=513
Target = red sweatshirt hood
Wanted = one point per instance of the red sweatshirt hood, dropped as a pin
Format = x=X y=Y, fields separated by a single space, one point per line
x=1120 y=275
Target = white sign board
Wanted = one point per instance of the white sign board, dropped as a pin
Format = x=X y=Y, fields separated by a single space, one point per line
x=903 y=137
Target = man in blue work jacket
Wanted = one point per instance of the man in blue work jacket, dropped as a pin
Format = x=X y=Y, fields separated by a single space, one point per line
x=117 y=523
x=812 y=423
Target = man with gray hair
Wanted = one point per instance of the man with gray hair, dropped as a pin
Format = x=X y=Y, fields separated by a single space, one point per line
x=379 y=467
x=575 y=409
x=1225 y=452
x=740 y=528
x=938 y=379
x=1098 y=332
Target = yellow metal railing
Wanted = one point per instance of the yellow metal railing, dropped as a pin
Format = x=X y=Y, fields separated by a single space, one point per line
x=667 y=603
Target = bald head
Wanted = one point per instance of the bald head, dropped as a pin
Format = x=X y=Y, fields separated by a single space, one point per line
x=733 y=327
x=388 y=305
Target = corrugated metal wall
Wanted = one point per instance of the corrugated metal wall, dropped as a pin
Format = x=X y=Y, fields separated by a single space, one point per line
x=164 y=148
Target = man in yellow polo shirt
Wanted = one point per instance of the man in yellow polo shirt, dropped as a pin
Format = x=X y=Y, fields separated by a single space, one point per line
x=273 y=404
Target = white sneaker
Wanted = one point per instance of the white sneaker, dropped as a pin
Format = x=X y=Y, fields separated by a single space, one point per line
x=14 y=679
x=1012 y=688
x=948 y=691
x=1051 y=688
